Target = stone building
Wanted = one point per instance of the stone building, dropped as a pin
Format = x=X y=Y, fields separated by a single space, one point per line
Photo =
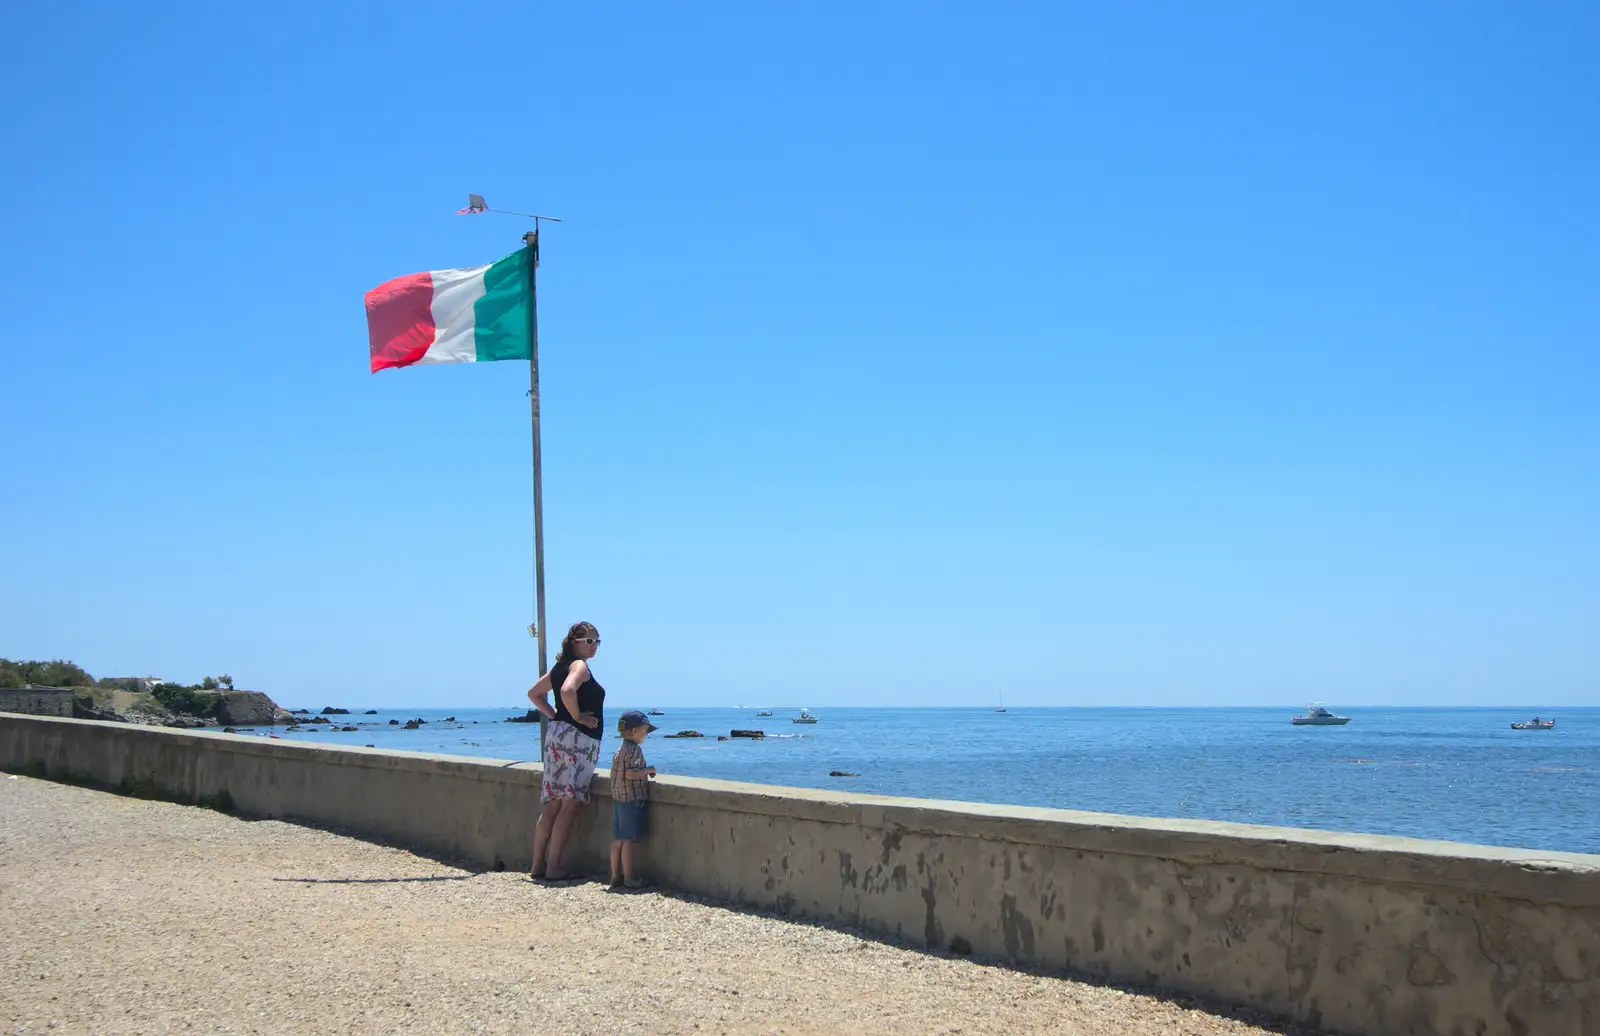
x=37 y=701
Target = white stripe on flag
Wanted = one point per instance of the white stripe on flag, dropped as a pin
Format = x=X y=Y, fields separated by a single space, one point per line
x=455 y=293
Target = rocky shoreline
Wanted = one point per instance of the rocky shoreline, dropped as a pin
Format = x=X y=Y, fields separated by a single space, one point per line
x=228 y=709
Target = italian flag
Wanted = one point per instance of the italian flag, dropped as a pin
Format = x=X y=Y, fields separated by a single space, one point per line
x=452 y=316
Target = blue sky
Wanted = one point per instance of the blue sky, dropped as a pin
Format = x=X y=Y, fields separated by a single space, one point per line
x=1174 y=353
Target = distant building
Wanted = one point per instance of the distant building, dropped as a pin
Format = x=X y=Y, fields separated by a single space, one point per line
x=136 y=684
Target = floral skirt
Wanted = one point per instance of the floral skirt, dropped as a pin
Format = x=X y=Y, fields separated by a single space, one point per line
x=570 y=758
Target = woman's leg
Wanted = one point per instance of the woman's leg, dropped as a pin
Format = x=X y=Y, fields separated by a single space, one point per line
x=616 y=861
x=541 y=835
x=627 y=863
x=559 y=829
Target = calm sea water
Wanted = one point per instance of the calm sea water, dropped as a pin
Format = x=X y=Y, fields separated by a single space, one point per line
x=1457 y=774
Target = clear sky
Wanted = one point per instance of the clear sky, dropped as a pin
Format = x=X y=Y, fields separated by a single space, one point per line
x=1159 y=353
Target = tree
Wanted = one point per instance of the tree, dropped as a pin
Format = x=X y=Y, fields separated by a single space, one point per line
x=226 y=681
x=10 y=674
x=208 y=684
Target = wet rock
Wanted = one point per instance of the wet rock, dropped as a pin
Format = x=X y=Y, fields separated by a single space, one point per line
x=394 y=723
x=230 y=730
x=754 y=735
x=329 y=710
x=412 y=724
x=449 y=719
x=532 y=716
x=346 y=730
x=684 y=733
x=370 y=712
x=842 y=773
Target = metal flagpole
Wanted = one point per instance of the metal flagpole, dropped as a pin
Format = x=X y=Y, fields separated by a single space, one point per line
x=476 y=204
x=531 y=241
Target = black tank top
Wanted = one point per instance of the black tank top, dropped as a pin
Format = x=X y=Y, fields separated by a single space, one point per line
x=591 y=699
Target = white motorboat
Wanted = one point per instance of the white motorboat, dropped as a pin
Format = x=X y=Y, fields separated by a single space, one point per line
x=1317 y=716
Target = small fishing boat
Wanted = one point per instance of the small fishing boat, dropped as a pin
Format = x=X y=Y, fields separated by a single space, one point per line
x=1535 y=724
x=1317 y=716
x=655 y=712
x=764 y=712
x=804 y=717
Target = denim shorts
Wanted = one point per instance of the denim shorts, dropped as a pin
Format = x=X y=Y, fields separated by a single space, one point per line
x=627 y=821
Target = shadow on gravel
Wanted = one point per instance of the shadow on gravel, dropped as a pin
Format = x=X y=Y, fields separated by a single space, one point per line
x=375 y=881
x=1250 y=1016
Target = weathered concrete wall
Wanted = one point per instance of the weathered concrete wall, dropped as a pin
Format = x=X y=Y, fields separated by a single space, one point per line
x=1364 y=934
x=37 y=701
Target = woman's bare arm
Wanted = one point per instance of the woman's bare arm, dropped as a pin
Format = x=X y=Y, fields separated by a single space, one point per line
x=577 y=676
x=539 y=695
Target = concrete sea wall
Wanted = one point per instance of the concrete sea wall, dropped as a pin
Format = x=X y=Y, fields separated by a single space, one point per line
x=1356 y=933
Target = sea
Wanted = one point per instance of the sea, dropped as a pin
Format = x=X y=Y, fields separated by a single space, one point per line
x=1459 y=774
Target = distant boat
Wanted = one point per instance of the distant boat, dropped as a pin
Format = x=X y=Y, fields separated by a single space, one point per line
x=1535 y=724
x=764 y=712
x=1002 y=707
x=655 y=712
x=804 y=717
x=1317 y=716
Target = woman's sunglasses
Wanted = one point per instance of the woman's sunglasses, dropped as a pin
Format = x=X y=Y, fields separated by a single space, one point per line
x=587 y=640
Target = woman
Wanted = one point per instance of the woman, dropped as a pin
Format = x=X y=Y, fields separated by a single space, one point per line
x=571 y=744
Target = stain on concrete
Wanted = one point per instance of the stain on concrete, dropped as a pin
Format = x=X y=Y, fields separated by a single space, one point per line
x=891 y=844
x=1016 y=928
x=1098 y=934
x=932 y=930
x=1427 y=968
x=847 y=870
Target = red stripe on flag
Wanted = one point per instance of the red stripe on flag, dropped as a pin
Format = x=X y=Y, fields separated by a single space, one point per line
x=400 y=321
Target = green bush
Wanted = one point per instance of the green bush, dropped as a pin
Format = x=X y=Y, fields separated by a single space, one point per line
x=55 y=673
x=187 y=701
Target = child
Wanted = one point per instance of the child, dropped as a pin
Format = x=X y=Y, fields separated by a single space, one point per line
x=630 y=784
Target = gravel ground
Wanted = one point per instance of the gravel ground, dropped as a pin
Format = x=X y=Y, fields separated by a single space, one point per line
x=129 y=916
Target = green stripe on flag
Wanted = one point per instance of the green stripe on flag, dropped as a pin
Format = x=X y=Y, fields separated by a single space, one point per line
x=501 y=315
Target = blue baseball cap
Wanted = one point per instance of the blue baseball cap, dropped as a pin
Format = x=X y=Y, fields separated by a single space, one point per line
x=634 y=718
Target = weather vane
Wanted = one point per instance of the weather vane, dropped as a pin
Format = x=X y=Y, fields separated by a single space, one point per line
x=476 y=205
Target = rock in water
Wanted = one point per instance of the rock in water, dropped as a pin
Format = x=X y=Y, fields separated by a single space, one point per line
x=842 y=773
x=249 y=709
x=329 y=710
x=684 y=733
x=412 y=724
x=394 y=723
x=755 y=735
x=370 y=712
